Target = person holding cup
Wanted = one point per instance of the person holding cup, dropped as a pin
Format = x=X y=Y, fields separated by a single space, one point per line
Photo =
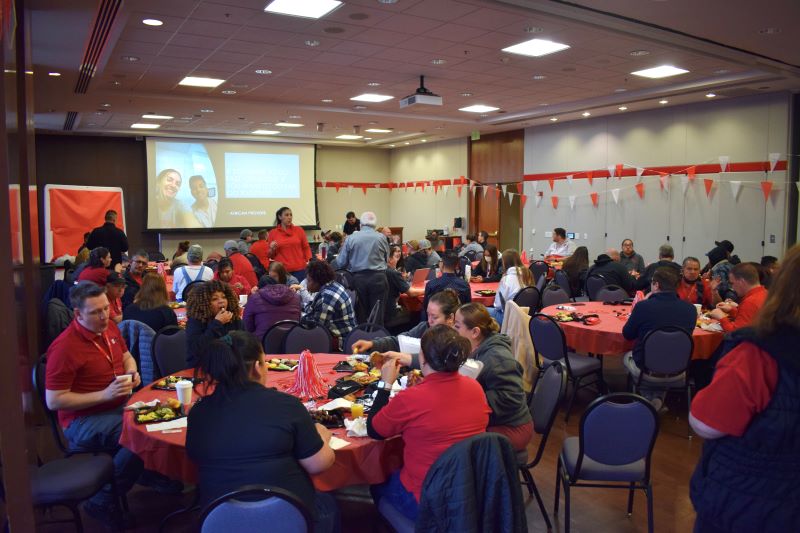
x=213 y=311
x=693 y=288
x=90 y=375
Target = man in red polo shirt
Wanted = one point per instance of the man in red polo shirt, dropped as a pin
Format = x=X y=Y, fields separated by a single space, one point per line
x=744 y=281
x=241 y=265
x=133 y=276
x=90 y=375
x=694 y=289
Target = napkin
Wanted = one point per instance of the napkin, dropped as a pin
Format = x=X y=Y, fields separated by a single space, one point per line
x=178 y=423
x=711 y=326
x=408 y=344
x=338 y=403
x=336 y=443
x=356 y=427
x=139 y=405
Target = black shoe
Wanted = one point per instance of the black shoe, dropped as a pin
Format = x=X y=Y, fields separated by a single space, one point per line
x=160 y=483
x=109 y=515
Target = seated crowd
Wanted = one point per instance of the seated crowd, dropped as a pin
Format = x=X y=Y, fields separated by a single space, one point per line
x=231 y=303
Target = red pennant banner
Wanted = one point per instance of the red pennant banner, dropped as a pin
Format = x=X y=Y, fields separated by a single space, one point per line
x=590 y=177
x=524 y=198
x=364 y=189
x=691 y=172
x=462 y=180
x=497 y=192
x=458 y=190
x=551 y=181
x=554 y=200
x=709 y=183
x=519 y=187
x=619 y=170
x=595 y=198
x=435 y=189
x=640 y=190
x=337 y=185
x=766 y=188
x=662 y=178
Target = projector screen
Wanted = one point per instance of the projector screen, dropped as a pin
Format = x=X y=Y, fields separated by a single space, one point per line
x=197 y=184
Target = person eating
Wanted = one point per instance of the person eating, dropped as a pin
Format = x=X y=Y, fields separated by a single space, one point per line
x=213 y=311
x=226 y=274
x=752 y=295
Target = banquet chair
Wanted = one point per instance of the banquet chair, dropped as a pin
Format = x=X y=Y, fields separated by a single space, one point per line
x=363 y=332
x=272 y=341
x=539 y=269
x=541 y=284
x=550 y=344
x=189 y=288
x=554 y=295
x=256 y=508
x=528 y=297
x=315 y=338
x=547 y=396
x=612 y=450
x=345 y=279
x=667 y=354
x=594 y=283
x=463 y=261
x=155 y=255
x=562 y=280
x=169 y=351
x=611 y=293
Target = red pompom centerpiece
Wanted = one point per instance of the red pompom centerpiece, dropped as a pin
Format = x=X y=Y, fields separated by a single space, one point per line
x=308 y=382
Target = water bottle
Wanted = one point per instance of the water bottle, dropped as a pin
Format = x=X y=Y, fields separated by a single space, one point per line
x=467 y=272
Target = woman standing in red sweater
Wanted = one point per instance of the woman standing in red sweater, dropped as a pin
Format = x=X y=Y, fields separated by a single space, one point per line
x=288 y=244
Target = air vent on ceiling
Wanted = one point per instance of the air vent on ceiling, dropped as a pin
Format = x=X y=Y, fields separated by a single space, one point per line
x=69 y=122
x=103 y=22
x=737 y=91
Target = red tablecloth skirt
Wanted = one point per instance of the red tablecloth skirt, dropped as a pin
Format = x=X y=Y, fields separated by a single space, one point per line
x=415 y=303
x=364 y=461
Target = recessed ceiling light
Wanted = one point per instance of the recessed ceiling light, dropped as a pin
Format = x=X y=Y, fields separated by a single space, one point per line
x=387 y=2
x=662 y=102
x=710 y=95
x=196 y=81
x=663 y=71
x=378 y=130
x=539 y=76
x=312 y=9
x=424 y=140
x=130 y=59
x=115 y=83
x=265 y=132
x=359 y=107
x=295 y=117
x=466 y=94
x=144 y=126
x=152 y=22
x=639 y=53
x=438 y=61
x=374 y=84
x=289 y=124
x=327 y=101
x=391 y=146
x=228 y=91
x=370 y=97
x=206 y=110
x=620 y=90
x=544 y=104
x=479 y=108
x=105 y=105
x=586 y=114
x=622 y=108
x=54 y=74
x=158 y=117
x=348 y=137
x=536 y=48
x=554 y=119
x=263 y=71
x=312 y=43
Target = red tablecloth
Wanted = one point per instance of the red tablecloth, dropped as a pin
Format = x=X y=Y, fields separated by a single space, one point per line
x=364 y=461
x=606 y=337
x=415 y=303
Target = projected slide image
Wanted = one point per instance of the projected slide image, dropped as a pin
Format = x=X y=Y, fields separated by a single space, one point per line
x=185 y=186
x=250 y=175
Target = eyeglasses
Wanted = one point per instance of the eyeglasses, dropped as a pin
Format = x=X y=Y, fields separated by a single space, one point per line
x=140 y=262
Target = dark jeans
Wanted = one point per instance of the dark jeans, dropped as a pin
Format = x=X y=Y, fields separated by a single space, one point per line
x=371 y=286
x=102 y=431
x=396 y=494
x=328 y=519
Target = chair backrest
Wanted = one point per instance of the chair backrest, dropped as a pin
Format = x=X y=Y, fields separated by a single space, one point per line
x=539 y=269
x=155 y=255
x=618 y=429
x=169 y=351
x=315 y=338
x=189 y=288
x=547 y=396
x=472 y=255
x=594 y=283
x=38 y=379
x=562 y=280
x=554 y=295
x=345 y=279
x=463 y=261
x=548 y=338
x=541 y=284
x=611 y=293
x=667 y=351
x=252 y=507
x=272 y=341
x=258 y=268
x=363 y=332
x=528 y=297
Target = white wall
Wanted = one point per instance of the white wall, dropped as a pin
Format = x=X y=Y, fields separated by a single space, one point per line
x=746 y=129
x=419 y=211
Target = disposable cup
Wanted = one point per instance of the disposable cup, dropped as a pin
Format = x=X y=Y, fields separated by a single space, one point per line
x=183 y=390
x=699 y=308
x=125 y=378
x=357 y=410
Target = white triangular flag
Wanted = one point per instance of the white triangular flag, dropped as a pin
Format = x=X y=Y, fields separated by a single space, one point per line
x=472 y=189
x=611 y=169
x=736 y=186
x=615 y=195
x=773 y=160
x=572 y=202
x=684 y=182
x=535 y=185
x=639 y=172
x=485 y=190
x=538 y=199
x=569 y=179
x=723 y=163
x=322 y=184
x=350 y=190
x=510 y=198
x=504 y=188
x=446 y=189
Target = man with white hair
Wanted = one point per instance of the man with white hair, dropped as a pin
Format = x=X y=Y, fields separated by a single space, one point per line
x=365 y=254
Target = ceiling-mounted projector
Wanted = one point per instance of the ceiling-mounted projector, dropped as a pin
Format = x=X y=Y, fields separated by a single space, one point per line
x=422 y=96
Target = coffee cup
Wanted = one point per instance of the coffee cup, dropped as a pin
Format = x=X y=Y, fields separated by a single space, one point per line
x=124 y=378
x=183 y=390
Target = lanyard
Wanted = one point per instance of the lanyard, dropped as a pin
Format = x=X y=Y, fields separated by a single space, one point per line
x=108 y=355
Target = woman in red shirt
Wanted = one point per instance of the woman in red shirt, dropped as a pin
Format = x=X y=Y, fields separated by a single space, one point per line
x=288 y=244
x=424 y=415
x=97 y=271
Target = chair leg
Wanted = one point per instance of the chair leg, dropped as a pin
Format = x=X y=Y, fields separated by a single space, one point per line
x=688 y=410
x=540 y=502
x=630 y=500
x=648 y=491
x=558 y=489
x=77 y=516
x=571 y=399
x=526 y=479
x=566 y=506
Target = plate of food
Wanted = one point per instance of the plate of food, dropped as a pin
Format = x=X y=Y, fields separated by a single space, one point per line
x=365 y=378
x=486 y=292
x=282 y=365
x=177 y=305
x=168 y=383
x=329 y=419
x=563 y=316
x=160 y=412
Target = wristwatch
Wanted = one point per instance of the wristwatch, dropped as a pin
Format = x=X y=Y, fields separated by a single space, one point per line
x=382 y=385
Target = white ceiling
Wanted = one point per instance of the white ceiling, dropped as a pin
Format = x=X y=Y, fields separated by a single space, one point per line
x=365 y=41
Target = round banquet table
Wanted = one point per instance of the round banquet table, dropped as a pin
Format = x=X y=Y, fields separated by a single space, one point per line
x=363 y=461
x=605 y=337
x=415 y=303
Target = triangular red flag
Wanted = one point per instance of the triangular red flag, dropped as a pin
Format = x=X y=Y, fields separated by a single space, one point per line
x=709 y=183
x=551 y=181
x=519 y=187
x=554 y=199
x=524 y=257
x=619 y=170
x=458 y=190
x=640 y=190
x=595 y=198
x=463 y=180
x=524 y=198
x=662 y=178
x=497 y=192
x=766 y=188
x=590 y=177
x=364 y=189
x=337 y=185
x=691 y=173
x=435 y=188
